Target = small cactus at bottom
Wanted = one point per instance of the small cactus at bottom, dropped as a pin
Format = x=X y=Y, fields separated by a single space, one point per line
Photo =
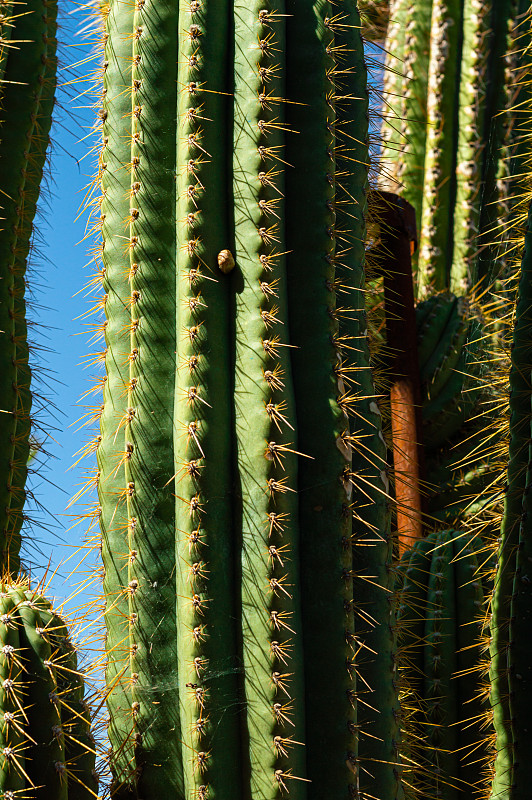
x=46 y=747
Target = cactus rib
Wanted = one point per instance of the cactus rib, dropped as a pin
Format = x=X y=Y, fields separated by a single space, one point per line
x=205 y=553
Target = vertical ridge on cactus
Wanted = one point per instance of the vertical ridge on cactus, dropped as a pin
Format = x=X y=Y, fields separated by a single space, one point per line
x=113 y=276
x=266 y=429
x=205 y=550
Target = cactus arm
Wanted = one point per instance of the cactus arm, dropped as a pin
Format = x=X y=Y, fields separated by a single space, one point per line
x=469 y=601
x=438 y=189
x=444 y=415
x=27 y=109
x=46 y=764
x=13 y=741
x=455 y=323
x=416 y=56
x=440 y=665
x=268 y=477
x=147 y=443
x=203 y=458
x=450 y=349
x=470 y=153
x=80 y=754
x=520 y=399
x=115 y=184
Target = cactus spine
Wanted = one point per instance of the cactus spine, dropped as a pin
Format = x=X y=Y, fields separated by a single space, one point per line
x=27 y=89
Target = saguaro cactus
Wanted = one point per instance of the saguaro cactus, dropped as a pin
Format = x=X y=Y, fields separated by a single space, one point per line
x=225 y=281
x=27 y=88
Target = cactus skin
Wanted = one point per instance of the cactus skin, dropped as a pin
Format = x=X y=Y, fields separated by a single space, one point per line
x=441 y=599
x=137 y=419
x=26 y=120
x=509 y=670
x=113 y=277
x=378 y=713
x=312 y=267
x=45 y=754
x=207 y=632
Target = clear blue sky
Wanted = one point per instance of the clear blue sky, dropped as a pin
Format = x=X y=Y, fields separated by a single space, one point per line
x=61 y=273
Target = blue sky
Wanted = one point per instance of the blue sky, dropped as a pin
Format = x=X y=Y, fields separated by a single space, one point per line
x=59 y=274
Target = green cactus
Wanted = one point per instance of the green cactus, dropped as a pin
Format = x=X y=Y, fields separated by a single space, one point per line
x=451 y=147
x=47 y=747
x=440 y=605
x=218 y=488
x=27 y=88
x=448 y=344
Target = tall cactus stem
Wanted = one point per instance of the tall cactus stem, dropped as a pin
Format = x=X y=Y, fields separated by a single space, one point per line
x=27 y=98
x=146 y=445
x=471 y=737
x=470 y=149
x=115 y=157
x=265 y=420
x=391 y=172
x=378 y=713
x=416 y=55
x=318 y=243
x=434 y=258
